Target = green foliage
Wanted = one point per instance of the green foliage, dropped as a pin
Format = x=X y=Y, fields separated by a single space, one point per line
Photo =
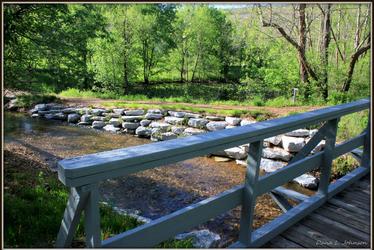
x=343 y=165
x=28 y=100
x=34 y=203
x=352 y=125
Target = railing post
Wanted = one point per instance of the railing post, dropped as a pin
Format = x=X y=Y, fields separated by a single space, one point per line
x=92 y=218
x=74 y=207
x=326 y=163
x=249 y=193
x=365 y=159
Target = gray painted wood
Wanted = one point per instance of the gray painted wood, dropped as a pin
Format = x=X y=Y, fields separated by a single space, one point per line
x=282 y=242
x=312 y=143
x=326 y=163
x=348 y=145
x=249 y=192
x=290 y=194
x=75 y=205
x=367 y=148
x=92 y=219
x=167 y=226
x=129 y=160
x=282 y=202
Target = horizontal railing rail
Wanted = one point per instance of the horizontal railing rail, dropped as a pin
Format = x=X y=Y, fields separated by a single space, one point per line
x=82 y=175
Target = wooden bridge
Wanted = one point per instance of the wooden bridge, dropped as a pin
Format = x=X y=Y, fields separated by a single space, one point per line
x=322 y=216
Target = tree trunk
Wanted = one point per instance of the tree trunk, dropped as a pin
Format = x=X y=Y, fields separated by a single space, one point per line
x=301 y=51
x=325 y=42
x=352 y=63
x=194 y=70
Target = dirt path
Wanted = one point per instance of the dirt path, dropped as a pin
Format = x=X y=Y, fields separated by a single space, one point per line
x=274 y=110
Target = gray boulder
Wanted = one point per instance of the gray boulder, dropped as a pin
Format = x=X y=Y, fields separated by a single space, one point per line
x=298 y=133
x=237 y=153
x=197 y=122
x=119 y=111
x=143 y=132
x=86 y=118
x=69 y=110
x=230 y=126
x=201 y=239
x=154 y=111
x=97 y=112
x=193 y=131
x=233 y=120
x=132 y=118
x=153 y=116
x=312 y=132
x=275 y=140
x=214 y=126
x=34 y=115
x=73 y=118
x=98 y=118
x=215 y=118
x=163 y=136
x=192 y=115
x=111 y=128
x=276 y=153
x=115 y=122
x=270 y=166
x=145 y=123
x=98 y=124
x=307 y=181
x=134 y=112
x=174 y=120
x=40 y=107
x=292 y=144
x=160 y=125
x=177 y=130
x=246 y=122
x=130 y=125
x=177 y=114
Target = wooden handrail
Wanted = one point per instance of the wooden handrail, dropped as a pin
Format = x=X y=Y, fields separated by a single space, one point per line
x=83 y=173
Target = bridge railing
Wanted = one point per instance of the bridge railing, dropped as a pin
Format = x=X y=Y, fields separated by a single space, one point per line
x=82 y=175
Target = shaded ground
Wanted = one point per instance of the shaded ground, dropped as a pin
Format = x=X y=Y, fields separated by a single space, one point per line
x=274 y=110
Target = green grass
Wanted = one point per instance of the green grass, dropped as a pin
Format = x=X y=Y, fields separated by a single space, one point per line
x=34 y=202
x=258 y=115
x=254 y=101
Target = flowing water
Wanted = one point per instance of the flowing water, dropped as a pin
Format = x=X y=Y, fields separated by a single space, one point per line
x=155 y=192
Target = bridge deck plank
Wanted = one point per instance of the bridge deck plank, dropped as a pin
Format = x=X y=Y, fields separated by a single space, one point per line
x=344 y=221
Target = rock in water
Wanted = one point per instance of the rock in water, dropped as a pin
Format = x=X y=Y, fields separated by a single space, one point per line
x=299 y=133
x=276 y=153
x=197 y=122
x=98 y=124
x=40 y=107
x=143 y=132
x=201 y=239
x=214 y=126
x=115 y=122
x=174 y=120
x=307 y=181
x=233 y=120
x=275 y=140
x=111 y=128
x=73 y=118
x=86 y=118
x=145 y=123
x=130 y=125
x=270 y=166
x=134 y=112
x=246 y=122
x=193 y=131
x=292 y=144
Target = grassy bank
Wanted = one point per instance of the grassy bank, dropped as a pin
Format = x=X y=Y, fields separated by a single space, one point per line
x=34 y=202
x=209 y=97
